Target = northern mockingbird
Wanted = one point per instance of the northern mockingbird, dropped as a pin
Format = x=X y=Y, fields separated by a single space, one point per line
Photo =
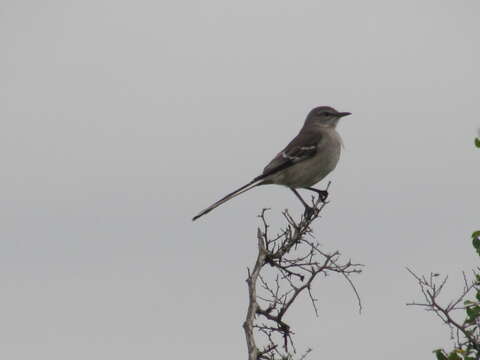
x=306 y=160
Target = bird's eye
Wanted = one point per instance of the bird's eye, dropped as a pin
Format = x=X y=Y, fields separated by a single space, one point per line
x=325 y=113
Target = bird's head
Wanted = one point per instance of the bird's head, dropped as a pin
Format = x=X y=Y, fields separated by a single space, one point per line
x=325 y=116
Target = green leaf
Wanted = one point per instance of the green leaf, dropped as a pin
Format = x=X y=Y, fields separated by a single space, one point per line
x=440 y=354
x=473 y=312
x=454 y=356
x=477 y=142
x=476 y=241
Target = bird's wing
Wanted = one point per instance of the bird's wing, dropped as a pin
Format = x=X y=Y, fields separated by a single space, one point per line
x=301 y=148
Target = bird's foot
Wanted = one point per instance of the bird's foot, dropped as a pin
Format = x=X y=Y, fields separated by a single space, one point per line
x=309 y=212
x=322 y=195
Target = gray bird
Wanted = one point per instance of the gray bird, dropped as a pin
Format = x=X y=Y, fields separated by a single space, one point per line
x=306 y=160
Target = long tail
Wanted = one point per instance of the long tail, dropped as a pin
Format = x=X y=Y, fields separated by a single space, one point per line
x=250 y=185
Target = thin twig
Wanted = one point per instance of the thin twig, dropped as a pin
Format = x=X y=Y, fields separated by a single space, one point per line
x=295 y=260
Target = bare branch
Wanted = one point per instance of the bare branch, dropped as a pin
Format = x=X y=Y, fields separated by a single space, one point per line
x=431 y=288
x=252 y=298
x=295 y=260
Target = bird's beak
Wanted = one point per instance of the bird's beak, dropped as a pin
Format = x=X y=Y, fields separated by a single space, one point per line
x=342 y=114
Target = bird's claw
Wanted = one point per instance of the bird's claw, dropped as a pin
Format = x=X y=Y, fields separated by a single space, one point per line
x=309 y=212
x=322 y=195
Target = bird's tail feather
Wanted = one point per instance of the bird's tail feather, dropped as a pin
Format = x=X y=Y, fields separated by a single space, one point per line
x=237 y=192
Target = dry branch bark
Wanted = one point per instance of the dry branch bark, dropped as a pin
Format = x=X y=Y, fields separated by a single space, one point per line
x=431 y=287
x=295 y=260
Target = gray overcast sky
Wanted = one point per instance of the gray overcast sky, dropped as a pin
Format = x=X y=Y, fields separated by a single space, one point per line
x=120 y=120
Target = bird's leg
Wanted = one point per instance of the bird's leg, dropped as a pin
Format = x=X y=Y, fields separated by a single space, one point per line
x=308 y=209
x=322 y=194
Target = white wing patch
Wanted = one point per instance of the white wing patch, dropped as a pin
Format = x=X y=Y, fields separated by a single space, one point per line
x=299 y=152
x=285 y=155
